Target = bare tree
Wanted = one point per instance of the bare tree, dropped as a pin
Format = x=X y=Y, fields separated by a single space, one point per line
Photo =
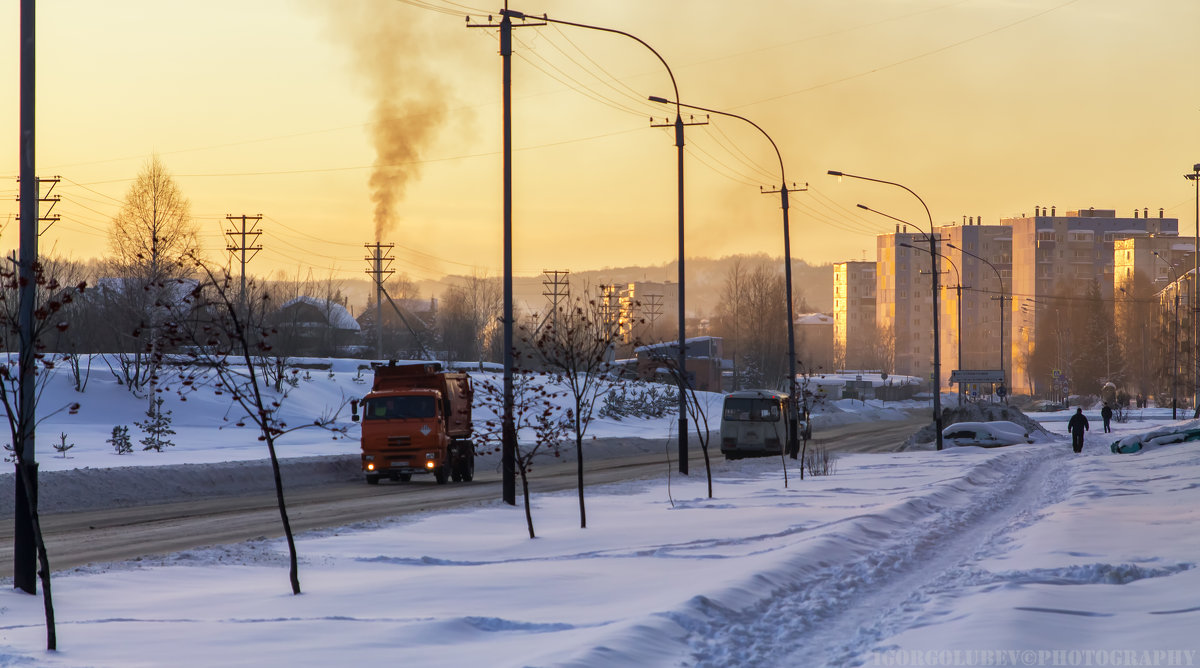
x=753 y=312
x=576 y=347
x=697 y=409
x=232 y=347
x=469 y=319
x=730 y=313
x=150 y=239
x=51 y=297
x=536 y=412
x=153 y=232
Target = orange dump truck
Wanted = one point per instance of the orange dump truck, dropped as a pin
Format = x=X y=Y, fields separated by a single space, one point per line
x=417 y=419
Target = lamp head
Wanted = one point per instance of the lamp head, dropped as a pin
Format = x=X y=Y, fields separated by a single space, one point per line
x=663 y=100
x=834 y=172
x=864 y=206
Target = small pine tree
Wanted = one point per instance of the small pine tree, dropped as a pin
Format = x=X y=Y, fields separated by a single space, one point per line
x=62 y=446
x=157 y=427
x=120 y=440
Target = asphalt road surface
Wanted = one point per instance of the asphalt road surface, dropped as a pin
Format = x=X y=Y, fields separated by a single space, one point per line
x=115 y=534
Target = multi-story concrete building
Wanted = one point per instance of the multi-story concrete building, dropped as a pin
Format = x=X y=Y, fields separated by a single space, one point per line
x=814 y=342
x=1149 y=262
x=904 y=302
x=1174 y=380
x=1056 y=257
x=854 y=315
x=975 y=310
x=647 y=311
x=1143 y=267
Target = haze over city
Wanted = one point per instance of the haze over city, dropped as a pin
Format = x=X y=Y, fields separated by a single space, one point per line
x=986 y=108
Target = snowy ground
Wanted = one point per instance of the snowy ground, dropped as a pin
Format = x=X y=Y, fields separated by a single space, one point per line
x=1026 y=555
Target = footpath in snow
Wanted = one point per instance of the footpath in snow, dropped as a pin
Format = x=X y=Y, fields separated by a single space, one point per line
x=893 y=559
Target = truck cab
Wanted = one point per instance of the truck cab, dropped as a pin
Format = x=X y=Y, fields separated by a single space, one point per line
x=417 y=420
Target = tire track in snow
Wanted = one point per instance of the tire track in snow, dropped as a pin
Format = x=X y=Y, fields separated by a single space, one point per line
x=836 y=613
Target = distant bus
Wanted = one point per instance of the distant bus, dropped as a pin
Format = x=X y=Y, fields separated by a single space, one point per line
x=754 y=424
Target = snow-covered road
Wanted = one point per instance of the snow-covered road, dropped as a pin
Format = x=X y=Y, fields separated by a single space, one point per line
x=865 y=577
x=1027 y=548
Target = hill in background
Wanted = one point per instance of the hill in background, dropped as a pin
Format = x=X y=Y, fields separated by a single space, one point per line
x=705 y=278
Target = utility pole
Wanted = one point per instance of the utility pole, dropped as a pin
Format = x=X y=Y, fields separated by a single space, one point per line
x=557 y=291
x=379 y=264
x=239 y=246
x=24 y=544
x=1194 y=177
x=43 y=214
x=654 y=307
x=684 y=379
x=508 y=450
x=793 y=427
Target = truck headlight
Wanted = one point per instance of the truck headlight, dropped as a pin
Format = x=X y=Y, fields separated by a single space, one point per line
x=428 y=465
x=370 y=467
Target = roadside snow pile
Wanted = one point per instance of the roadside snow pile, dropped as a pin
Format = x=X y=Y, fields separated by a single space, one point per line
x=979 y=412
x=1177 y=433
x=853 y=411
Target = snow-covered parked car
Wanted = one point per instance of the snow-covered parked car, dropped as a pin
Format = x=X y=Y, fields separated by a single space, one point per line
x=986 y=434
x=1177 y=433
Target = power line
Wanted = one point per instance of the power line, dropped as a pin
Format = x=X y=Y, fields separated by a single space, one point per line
x=910 y=59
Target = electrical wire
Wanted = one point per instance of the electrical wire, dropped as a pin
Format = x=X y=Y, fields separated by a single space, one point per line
x=529 y=53
x=732 y=148
x=910 y=59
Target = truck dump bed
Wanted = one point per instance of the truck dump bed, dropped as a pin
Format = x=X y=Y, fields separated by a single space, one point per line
x=455 y=388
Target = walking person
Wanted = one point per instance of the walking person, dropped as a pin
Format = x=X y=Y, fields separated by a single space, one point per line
x=1078 y=425
x=1106 y=414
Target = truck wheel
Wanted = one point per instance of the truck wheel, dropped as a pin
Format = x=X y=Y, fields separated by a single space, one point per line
x=456 y=470
x=439 y=474
x=373 y=479
x=468 y=473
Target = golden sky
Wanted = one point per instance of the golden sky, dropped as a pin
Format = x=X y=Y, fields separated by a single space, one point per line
x=983 y=107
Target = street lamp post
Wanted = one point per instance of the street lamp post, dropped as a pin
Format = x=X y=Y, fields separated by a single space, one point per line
x=1000 y=278
x=793 y=427
x=1194 y=177
x=1175 y=341
x=681 y=359
x=937 y=353
x=509 y=438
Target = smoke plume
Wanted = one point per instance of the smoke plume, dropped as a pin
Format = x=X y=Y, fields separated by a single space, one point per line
x=392 y=61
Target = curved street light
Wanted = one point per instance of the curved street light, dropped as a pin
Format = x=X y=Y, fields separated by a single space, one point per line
x=682 y=356
x=1194 y=177
x=793 y=427
x=937 y=349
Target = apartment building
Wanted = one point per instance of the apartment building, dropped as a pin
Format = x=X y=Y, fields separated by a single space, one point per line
x=904 y=302
x=1056 y=257
x=854 y=285
x=980 y=261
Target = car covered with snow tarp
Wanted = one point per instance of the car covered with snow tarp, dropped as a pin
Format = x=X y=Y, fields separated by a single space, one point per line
x=986 y=434
x=1177 y=433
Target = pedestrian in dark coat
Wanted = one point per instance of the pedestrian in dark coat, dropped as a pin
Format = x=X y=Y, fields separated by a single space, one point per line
x=1106 y=415
x=1078 y=425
